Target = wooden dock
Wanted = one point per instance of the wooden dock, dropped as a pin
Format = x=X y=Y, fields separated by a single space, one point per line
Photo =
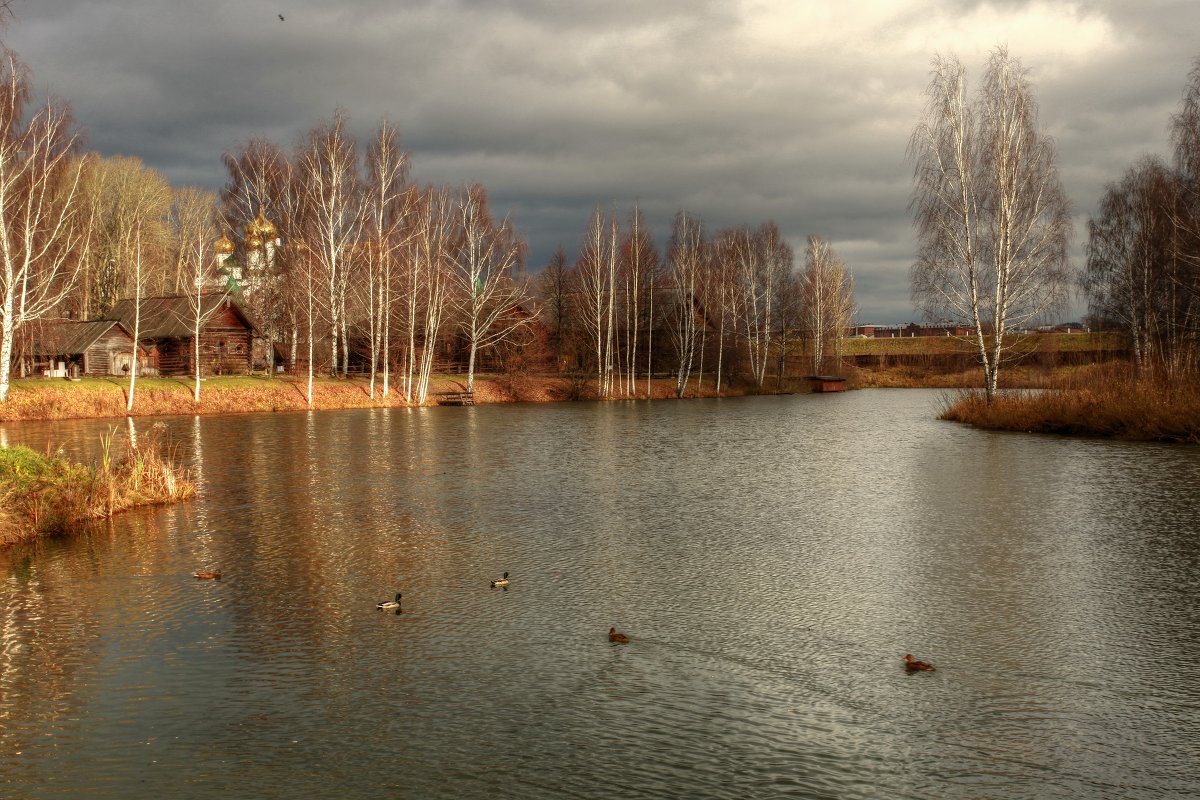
x=456 y=399
x=827 y=383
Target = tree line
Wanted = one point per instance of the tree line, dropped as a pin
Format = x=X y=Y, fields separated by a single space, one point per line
x=1142 y=275
x=732 y=301
x=993 y=224
x=341 y=257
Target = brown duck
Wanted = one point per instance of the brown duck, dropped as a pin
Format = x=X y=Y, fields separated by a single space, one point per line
x=912 y=665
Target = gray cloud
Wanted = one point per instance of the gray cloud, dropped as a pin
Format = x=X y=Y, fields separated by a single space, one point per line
x=739 y=112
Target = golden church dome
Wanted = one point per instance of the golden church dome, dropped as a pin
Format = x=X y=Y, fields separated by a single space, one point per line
x=263 y=227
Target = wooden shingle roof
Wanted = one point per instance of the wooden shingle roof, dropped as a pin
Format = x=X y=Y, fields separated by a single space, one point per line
x=172 y=317
x=70 y=338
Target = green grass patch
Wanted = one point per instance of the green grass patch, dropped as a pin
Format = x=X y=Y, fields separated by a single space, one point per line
x=46 y=494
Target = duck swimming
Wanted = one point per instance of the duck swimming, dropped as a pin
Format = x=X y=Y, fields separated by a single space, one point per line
x=390 y=603
x=619 y=638
x=912 y=665
x=208 y=576
x=502 y=581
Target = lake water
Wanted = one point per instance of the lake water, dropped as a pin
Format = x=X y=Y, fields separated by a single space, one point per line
x=771 y=559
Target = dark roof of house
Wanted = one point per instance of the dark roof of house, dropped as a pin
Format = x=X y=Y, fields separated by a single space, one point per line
x=172 y=317
x=70 y=338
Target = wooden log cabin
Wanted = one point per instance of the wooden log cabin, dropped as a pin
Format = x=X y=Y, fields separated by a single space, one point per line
x=167 y=325
x=65 y=348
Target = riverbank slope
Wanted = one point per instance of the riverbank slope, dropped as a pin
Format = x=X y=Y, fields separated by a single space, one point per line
x=44 y=399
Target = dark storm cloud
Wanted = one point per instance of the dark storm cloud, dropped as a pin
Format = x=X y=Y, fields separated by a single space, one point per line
x=739 y=112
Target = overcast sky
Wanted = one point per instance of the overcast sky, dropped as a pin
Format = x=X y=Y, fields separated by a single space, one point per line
x=739 y=112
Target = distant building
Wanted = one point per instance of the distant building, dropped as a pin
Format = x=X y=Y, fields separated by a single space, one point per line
x=166 y=330
x=910 y=330
x=61 y=349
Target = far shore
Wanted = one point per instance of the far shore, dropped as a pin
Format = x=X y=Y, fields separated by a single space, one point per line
x=1097 y=400
x=35 y=399
x=43 y=399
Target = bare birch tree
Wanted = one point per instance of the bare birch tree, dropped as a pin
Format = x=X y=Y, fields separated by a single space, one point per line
x=193 y=214
x=638 y=262
x=686 y=257
x=992 y=219
x=827 y=305
x=39 y=192
x=430 y=256
x=328 y=174
x=595 y=290
x=487 y=256
x=387 y=215
x=762 y=258
x=137 y=314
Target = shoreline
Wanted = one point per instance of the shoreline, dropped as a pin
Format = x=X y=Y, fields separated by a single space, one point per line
x=47 y=400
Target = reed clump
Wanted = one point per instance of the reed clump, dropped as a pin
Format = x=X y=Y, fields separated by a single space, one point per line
x=46 y=494
x=1103 y=402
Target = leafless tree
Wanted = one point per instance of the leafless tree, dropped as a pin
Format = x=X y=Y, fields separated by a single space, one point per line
x=1139 y=278
x=487 y=257
x=553 y=291
x=595 y=287
x=126 y=199
x=1185 y=218
x=137 y=313
x=762 y=258
x=333 y=216
x=263 y=184
x=430 y=255
x=193 y=213
x=789 y=307
x=638 y=261
x=687 y=255
x=826 y=300
x=992 y=219
x=39 y=193
x=388 y=212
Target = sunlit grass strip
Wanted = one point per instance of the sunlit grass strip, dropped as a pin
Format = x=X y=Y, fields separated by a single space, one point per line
x=1108 y=405
x=47 y=494
x=1018 y=343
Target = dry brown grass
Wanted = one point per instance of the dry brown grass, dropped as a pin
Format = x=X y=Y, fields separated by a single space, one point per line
x=39 y=399
x=912 y=377
x=1098 y=401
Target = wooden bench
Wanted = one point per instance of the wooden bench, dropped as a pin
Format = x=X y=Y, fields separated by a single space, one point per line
x=456 y=399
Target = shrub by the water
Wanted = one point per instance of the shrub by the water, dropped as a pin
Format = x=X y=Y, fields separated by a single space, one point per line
x=47 y=494
x=1108 y=403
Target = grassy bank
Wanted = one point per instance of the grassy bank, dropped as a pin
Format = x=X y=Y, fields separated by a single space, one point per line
x=1102 y=401
x=42 y=399
x=47 y=494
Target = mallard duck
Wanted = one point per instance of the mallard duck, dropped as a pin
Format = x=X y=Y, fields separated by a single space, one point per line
x=503 y=581
x=208 y=576
x=619 y=638
x=913 y=665
x=390 y=603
